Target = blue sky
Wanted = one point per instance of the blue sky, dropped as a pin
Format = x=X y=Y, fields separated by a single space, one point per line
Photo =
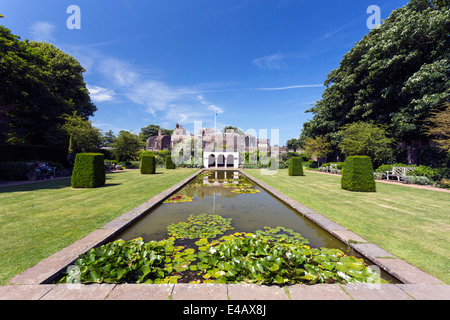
x=259 y=63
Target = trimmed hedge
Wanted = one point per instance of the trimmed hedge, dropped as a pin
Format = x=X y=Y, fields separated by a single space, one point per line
x=88 y=171
x=358 y=175
x=296 y=166
x=148 y=164
x=169 y=162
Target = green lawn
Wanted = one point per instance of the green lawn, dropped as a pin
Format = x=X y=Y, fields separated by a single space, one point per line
x=37 y=220
x=413 y=224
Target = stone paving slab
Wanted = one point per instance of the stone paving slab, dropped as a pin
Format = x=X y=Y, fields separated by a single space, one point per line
x=256 y=292
x=370 y=250
x=348 y=237
x=324 y=222
x=24 y=292
x=317 y=292
x=117 y=224
x=406 y=272
x=84 y=244
x=141 y=292
x=200 y=291
x=426 y=291
x=376 y=292
x=41 y=272
x=79 y=292
x=184 y=291
x=130 y=215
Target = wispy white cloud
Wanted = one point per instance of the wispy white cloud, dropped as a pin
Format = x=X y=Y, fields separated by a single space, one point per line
x=184 y=114
x=99 y=94
x=123 y=80
x=117 y=71
x=210 y=106
x=154 y=95
x=291 y=87
x=271 y=62
x=42 y=31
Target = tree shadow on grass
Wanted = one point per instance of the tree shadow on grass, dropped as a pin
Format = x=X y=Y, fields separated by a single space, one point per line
x=37 y=185
x=47 y=185
x=123 y=171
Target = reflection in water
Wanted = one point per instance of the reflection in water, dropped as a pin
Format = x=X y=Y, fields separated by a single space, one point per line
x=249 y=212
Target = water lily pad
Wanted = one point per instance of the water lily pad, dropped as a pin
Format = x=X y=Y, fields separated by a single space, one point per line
x=274 y=255
x=200 y=226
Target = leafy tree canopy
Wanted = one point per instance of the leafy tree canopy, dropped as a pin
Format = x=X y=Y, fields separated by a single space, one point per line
x=317 y=147
x=83 y=136
x=293 y=144
x=38 y=84
x=127 y=146
x=365 y=139
x=108 y=138
x=395 y=75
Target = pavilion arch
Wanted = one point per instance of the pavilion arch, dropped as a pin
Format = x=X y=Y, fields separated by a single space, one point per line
x=221 y=159
x=211 y=161
x=230 y=161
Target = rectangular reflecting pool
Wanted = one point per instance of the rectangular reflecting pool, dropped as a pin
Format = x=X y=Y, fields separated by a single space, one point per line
x=213 y=193
x=232 y=196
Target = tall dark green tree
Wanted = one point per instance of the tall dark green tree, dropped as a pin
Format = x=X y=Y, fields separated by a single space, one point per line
x=395 y=75
x=83 y=136
x=127 y=146
x=108 y=138
x=38 y=84
x=293 y=144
